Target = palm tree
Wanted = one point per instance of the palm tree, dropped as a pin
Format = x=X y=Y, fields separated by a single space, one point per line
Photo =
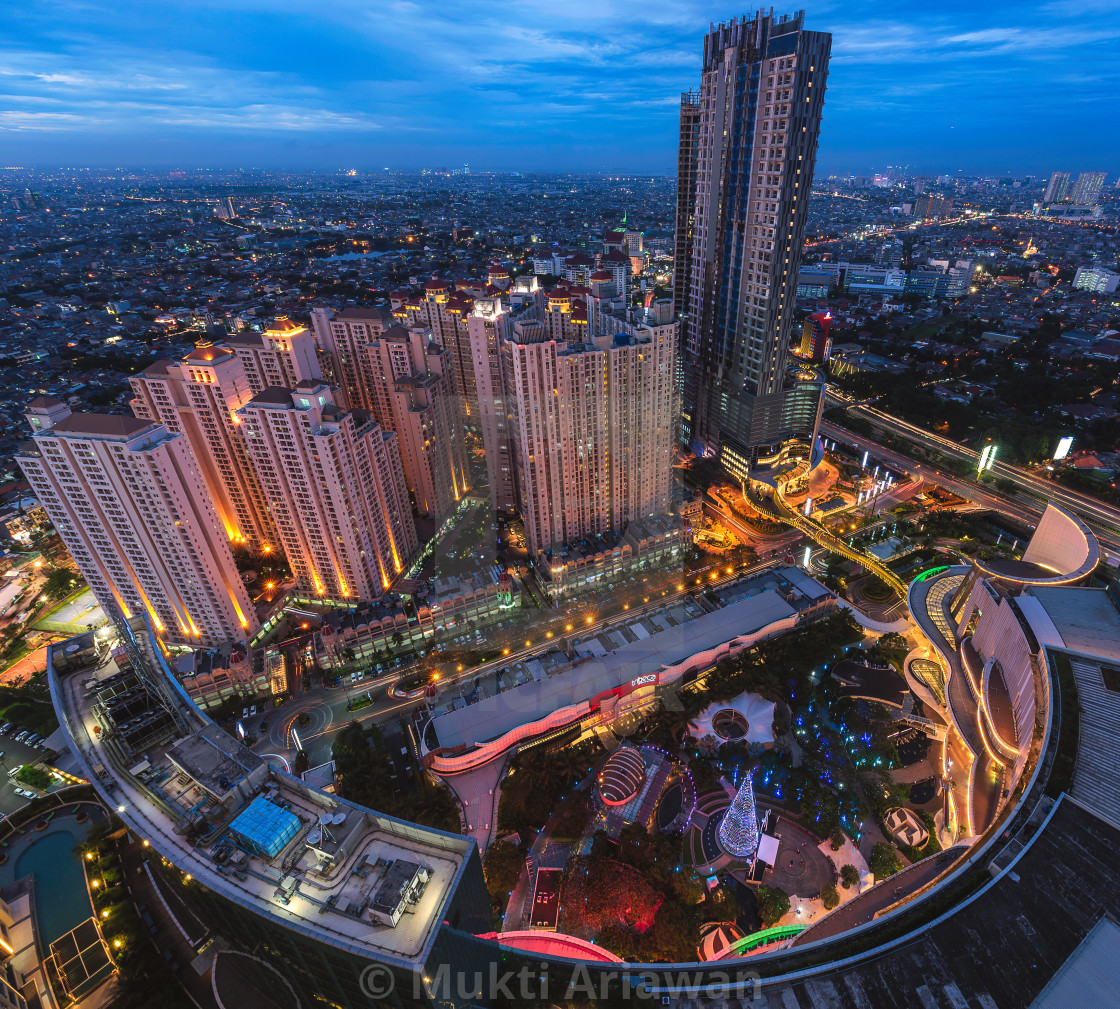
x=569 y=765
x=677 y=724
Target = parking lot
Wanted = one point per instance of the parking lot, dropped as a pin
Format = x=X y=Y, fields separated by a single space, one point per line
x=15 y=754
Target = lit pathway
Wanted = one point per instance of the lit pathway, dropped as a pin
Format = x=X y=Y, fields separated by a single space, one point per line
x=478 y=795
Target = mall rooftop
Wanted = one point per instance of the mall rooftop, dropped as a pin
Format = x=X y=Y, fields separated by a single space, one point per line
x=337 y=872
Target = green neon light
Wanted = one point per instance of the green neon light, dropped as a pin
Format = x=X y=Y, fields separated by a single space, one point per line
x=766 y=936
x=931 y=572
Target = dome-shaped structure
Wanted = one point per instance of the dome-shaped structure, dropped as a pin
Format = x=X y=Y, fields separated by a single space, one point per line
x=622 y=776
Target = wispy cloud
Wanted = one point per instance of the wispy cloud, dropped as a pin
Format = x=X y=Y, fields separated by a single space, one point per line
x=600 y=75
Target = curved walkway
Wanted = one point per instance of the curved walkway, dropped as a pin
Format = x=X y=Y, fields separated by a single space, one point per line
x=878 y=626
x=867 y=905
x=780 y=511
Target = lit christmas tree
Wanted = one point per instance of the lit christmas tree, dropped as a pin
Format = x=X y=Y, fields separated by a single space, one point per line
x=738 y=831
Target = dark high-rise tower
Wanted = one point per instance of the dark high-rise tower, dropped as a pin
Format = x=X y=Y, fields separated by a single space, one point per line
x=748 y=146
x=682 y=239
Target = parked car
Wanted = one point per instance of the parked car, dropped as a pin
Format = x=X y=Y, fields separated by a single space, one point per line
x=4 y=728
x=244 y=712
x=22 y=736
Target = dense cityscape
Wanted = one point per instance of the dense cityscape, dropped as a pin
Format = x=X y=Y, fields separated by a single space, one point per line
x=466 y=587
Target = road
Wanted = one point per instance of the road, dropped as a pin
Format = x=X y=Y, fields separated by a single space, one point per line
x=1027 y=513
x=1102 y=518
x=326 y=707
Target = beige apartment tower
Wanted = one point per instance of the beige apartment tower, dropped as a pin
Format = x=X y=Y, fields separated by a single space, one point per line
x=445 y=311
x=592 y=426
x=404 y=378
x=199 y=397
x=487 y=327
x=282 y=356
x=413 y=396
x=342 y=338
x=132 y=507
x=337 y=490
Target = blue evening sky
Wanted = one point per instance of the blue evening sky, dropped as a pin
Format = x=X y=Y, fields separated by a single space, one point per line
x=985 y=87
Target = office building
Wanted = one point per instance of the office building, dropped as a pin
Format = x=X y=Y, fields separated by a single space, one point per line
x=199 y=397
x=336 y=487
x=687 y=141
x=281 y=357
x=623 y=240
x=1087 y=189
x=1096 y=279
x=815 y=342
x=760 y=105
x=592 y=429
x=1057 y=189
x=128 y=499
x=930 y=208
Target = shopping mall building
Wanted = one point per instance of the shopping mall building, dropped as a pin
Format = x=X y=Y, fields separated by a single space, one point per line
x=344 y=906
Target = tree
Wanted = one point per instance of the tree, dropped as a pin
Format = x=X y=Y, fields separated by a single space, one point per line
x=893 y=648
x=772 y=903
x=836 y=839
x=635 y=846
x=672 y=939
x=602 y=892
x=59 y=583
x=36 y=777
x=849 y=876
x=722 y=904
x=884 y=861
x=502 y=868
x=830 y=896
x=365 y=775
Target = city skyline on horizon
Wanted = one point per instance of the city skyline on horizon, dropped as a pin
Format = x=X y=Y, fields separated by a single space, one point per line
x=407 y=87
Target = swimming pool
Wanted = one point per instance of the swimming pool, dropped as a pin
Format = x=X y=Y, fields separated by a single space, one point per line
x=61 y=900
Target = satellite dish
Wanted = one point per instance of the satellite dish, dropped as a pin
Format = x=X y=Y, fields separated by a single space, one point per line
x=325 y=818
x=338 y=818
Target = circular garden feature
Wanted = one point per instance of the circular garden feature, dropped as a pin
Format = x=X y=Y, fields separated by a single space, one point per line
x=730 y=724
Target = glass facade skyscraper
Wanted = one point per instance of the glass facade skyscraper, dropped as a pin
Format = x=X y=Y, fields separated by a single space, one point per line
x=748 y=162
